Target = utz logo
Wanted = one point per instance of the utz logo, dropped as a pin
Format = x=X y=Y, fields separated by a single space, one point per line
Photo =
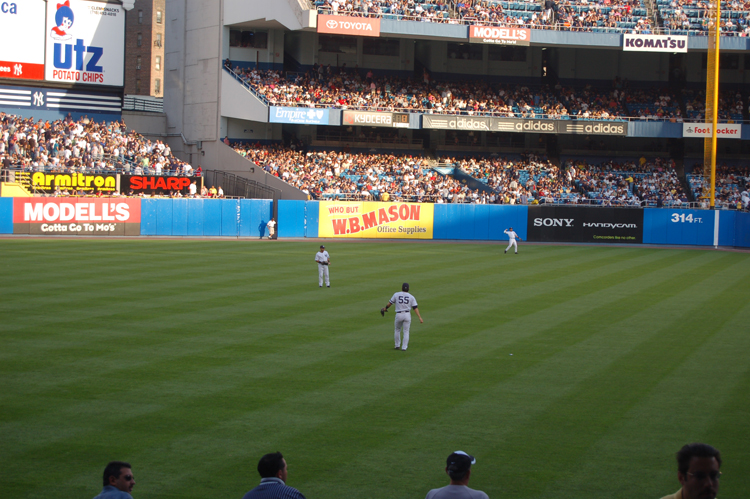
x=64 y=18
x=73 y=61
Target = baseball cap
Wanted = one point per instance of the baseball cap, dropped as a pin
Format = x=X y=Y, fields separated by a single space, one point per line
x=322 y=246
x=460 y=461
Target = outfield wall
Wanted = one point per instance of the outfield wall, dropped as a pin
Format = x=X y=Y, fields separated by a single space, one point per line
x=312 y=219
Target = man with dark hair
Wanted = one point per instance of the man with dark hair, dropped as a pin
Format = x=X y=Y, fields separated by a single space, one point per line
x=273 y=472
x=458 y=468
x=698 y=468
x=118 y=481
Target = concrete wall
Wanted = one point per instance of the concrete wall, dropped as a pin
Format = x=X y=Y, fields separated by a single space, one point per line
x=292 y=14
x=146 y=123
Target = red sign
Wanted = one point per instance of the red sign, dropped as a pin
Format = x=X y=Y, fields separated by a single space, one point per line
x=87 y=217
x=499 y=36
x=153 y=184
x=21 y=70
x=344 y=25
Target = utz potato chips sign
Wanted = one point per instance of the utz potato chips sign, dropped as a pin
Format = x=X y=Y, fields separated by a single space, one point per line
x=375 y=220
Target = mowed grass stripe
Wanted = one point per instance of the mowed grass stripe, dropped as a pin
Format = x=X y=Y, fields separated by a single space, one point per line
x=222 y=431
x=644 y=434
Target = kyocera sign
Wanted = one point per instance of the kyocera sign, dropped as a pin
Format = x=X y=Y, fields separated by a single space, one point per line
x=343 y=25
x=85 y=42
x=500 y=36
x=22 y=39
x=703 y=130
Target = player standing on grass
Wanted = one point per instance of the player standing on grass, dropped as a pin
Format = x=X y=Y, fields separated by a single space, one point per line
x=512 y=237
x=323 y=260
x=404 y=304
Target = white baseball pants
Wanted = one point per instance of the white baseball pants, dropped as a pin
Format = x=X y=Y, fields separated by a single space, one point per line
x=512 y=243
x=323 y=272
x=402 y=322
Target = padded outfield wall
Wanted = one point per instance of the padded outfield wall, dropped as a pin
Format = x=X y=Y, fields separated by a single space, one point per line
x=312 y=219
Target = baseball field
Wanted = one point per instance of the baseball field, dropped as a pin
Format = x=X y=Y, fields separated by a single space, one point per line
x=568 y=371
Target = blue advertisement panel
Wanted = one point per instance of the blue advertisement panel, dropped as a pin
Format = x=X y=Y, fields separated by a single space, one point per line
x=742 y=230
x=476 y=222
x=298 y=115
x=6 y=215
x=665 y=226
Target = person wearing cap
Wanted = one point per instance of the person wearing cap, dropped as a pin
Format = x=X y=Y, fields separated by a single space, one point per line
x=458 y=468
x=512 y=239
x=323 y=260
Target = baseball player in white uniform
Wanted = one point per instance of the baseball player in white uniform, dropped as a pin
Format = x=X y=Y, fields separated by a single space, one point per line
x=512 y=237
x=323 y=260
x=404 y=304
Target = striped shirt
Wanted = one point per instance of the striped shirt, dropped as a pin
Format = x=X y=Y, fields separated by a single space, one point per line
x=273 y=488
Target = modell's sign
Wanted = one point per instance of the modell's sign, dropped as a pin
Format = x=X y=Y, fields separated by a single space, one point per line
x=343 y=25
x=77 y=217
x=152 y=184
x=499 y=36
x=654 y=43
x=372 y=118
x=703 y=130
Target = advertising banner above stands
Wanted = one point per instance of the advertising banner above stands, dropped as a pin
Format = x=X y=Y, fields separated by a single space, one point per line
x=155 y=184
x=703 y=130
x=654 y=43
x=298 y=115
x=520 y=125
x=22 y=39
x=51 y=99
x=41 y=182
x=343 y=25
x=85 y=42
x=499 y=36
x=585 y=225
x=374 y=118
x=77 y=217
x=375 y=220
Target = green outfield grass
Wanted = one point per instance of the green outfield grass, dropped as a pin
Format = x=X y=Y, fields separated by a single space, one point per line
x=568 y=371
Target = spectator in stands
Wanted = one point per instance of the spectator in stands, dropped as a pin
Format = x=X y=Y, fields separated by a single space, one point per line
x=698 y=470
x=273 y=473
x=118 y=481
x=458 y=468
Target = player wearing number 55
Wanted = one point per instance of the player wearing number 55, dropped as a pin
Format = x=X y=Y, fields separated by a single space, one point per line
x=404 y=304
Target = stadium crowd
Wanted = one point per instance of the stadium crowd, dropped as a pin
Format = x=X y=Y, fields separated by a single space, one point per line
x=339 y=88
x=408 y=10
x=732 y=185
x=523 y=179
x=83 y=146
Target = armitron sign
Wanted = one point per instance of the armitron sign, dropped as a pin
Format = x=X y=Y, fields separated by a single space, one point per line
x=375 y=220
x=77 y=217
x=89 y=184
x=343 y=25
x=499 y=36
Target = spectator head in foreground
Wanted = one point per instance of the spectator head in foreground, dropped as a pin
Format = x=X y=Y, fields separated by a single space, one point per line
x=458 y=468
x=118 y=481
x=698 y=470
x=273 y=473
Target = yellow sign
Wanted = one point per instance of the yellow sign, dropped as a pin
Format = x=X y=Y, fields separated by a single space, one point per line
x=375 y=220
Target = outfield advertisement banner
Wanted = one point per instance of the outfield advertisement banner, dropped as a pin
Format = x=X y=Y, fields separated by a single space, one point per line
x=654 y=43
x=344 y=25
x=705 y=130
x=375 y=118
x=375 y=220
x=69 y=182
x=585 y=225
x=523 y=125
x=156 y=184
x=77 y=217
x=22 y=40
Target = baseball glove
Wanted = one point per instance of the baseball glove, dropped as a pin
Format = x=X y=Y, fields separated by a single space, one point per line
x=382 y=311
